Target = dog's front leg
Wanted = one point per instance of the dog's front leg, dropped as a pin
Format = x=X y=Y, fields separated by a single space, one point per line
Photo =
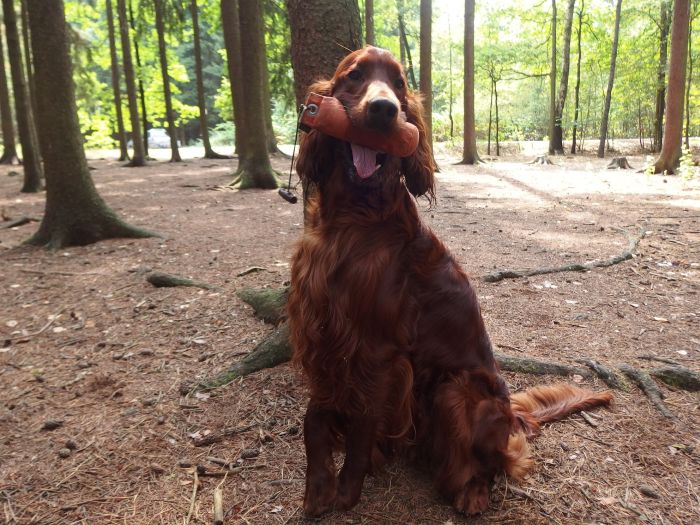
x=321 y=482
x=359 y=441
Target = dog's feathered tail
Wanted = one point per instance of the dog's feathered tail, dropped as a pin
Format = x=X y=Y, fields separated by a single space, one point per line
x=544 y=404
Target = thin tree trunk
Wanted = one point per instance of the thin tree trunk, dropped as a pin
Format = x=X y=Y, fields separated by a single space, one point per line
x=577 y=109
x=553 y=79
x=611 y=81
x=426 y=78
x=116 y=80
x=402 y=47
x=28 y=55
x=369 y=22
x=31 y=159
x=232 y=39
x=673 y=128
x=664 y=27
x=9 y=154
x=254 y=167
x=167 y=95
x=267 y=98
x=563 y=80
x=452 y=123
x=139 y=156
x=469 y=153
x=488 y=145
x=209 y=153
x=75 y=214
x=142 y=92
x=407 y=49
x=495 y=101
x=688 y=84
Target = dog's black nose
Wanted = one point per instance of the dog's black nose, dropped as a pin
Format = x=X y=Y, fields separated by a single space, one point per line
x=381 y=112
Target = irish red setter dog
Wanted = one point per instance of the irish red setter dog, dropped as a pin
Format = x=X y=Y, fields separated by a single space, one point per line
x=386 y=325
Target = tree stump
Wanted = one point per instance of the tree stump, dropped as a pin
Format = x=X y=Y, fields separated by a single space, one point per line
x=619 y=163
x=542 y=160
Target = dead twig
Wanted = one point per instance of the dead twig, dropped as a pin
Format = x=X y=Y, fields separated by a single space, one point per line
x=218 y=506
x=195 y=484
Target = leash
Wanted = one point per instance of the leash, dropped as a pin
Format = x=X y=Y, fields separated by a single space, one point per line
x=286 y=193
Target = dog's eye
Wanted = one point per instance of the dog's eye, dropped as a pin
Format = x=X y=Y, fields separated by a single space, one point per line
x=399 y=83
x=355 y=74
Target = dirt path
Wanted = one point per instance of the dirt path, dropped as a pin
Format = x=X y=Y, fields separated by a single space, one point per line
x=87 y=342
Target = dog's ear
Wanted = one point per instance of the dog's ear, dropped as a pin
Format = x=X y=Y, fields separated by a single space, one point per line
x=316 y=151
x=419 y=168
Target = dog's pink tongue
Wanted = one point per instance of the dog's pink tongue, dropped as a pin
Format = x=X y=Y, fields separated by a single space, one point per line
x=365 y=161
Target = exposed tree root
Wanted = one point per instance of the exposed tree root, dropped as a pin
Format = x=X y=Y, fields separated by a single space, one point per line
x=678 y=376
x=610 y=378
x=54 y=234
x=646 y=383
x=18 y=222
x=541 y=160
x=214 y=155
x=575 y=267
x=268 y=303
x=161 y=280
x=528 y=365
x=619 y=163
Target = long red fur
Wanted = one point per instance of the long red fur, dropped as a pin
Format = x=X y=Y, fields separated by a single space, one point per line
x=387 y=327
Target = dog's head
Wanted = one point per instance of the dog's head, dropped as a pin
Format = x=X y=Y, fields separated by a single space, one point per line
x=372 y=86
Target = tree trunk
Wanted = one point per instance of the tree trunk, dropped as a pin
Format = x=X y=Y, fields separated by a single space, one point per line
x=167 y=95
x=31 y=159
x=271 y=140
x=116 y=80
x=426 y=79
x=209 y=153
x=405 y=47
x=469 y=155
x=139 y=156
x=495 y=101
x=28 y=55
x=142 y=92
x=577 y=109
x=673 y=129
x=664 y=27
x=563 y=80
x=611 y=80
x=254 y=165
x=401 y=29
x=232 y=39
x=369 y=22
x=75 y=214
x=688 y=84
x=9 y=154
x=449 y=111
x=553 y=79
x=488 y=144
x=323 y=32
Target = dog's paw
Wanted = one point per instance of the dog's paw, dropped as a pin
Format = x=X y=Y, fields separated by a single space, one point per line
x=473 y=499
x=320 y=496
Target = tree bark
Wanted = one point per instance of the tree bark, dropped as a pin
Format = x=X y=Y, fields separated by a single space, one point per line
x=611 y=80
x=267 y=98
x=369 y=22
x=232 y=40
x=495 y=101
x=9 y=154
x=31 y=159
x=577 y=90
x=673 y=128
x=167 y=95
x=75 y=214
x=405 y=48
x=323 y=32
x=28 y=55
x=664 y=27
x=254 y=163
x=139 y=156
x=116 y=81
x=426 y=78
x=142 y=92
x=563 y=80
x=469 y=153
x=553 y=79
x=688 y=84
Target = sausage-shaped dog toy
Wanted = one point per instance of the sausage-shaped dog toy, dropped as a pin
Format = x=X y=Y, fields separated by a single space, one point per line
x=327 y=115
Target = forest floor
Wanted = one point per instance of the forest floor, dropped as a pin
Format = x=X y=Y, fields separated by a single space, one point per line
x=87 y=343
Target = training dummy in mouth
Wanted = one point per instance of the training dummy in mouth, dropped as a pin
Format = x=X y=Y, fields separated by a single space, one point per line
x=327 y=115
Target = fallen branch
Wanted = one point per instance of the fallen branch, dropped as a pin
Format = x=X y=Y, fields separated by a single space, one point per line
x=215 y=437
x=678 y=376
x=19 y=222
x=575 y=267
x=646 y=383
x=163 y=280
x=195 y=484
x=527 y=365
x=608 y=376
x=268 y=303
x=218 y=506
